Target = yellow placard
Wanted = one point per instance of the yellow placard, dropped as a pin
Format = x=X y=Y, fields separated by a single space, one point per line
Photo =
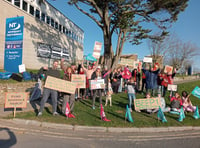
x=16 y=99
x=60 y=85
x=80 y=80
x=150 y=103
x=128 y=62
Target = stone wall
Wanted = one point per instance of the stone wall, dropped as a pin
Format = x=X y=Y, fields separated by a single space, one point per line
x=14 y=87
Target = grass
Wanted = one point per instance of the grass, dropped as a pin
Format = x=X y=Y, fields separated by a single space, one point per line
x=85 y=115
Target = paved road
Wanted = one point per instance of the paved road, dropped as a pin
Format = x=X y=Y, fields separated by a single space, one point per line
x=30 y=136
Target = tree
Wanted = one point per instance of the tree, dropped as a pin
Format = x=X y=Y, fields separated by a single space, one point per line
x=128 y=18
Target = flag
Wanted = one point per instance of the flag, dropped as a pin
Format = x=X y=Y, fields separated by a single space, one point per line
x=196 y=92
x=67 y=111
x=161 y=115
x=181 y=115
x=128 y=114
x=103 y=115
x=196 y=113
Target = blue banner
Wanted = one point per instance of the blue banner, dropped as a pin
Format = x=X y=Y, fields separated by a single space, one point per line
x=196 y=92
x=13 y=44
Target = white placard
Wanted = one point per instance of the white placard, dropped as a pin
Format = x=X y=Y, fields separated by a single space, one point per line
x=147 y=60
x=171 y=87
x=97 y=49
x=97 y=84
x=22 y=68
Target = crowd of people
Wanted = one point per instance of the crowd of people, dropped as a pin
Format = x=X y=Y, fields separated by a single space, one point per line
x=150 y=80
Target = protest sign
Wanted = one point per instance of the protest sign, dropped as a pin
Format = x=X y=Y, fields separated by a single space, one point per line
x=97 y=50
x=171 y=87
x=79 y=80
x=128 y=62
x=97 y=84
x=60 y=85
x=147 y=60
x=16 y=99
x=196 y=92
x=147 y=103
x=22 y=68
x=168 y=69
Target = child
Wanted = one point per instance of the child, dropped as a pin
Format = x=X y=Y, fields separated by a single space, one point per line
x=109 y=93
x=148 y=96
x=187 y=104
x=131 y=92
x=176 y=102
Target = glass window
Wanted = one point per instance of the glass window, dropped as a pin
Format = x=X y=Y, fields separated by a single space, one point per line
x=43 y=17
x=24 y=7
x=60 y=27
x=17 y=3
x=48 y=20
x=31 y=10
x=37 y=14
x=56 y=25
x=52 y=22
x=63 y=29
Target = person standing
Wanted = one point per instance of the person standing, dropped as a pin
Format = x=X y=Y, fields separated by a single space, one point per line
x=54 y=72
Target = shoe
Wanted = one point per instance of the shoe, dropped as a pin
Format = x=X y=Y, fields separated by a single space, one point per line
x=93 y=107
x=39 y=114
x=55 y=114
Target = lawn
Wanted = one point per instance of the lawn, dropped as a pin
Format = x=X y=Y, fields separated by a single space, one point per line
x=85 y=115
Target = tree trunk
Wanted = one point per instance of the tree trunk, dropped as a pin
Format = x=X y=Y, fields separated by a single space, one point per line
x=108 y=53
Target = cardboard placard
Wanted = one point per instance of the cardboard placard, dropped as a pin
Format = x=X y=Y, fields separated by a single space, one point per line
x=60 y=85
x=22 y=68
x=171 y=87
x=97 y=84
x=147 y=103
x=80 y=80
x=16 y=99
x=128 y=62
x=168 y=69
x=147 y=60
x=97 y=49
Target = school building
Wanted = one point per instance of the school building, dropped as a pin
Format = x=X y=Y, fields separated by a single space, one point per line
x=48 y=34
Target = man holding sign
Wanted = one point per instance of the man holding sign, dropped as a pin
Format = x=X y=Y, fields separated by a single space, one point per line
x=54 y=72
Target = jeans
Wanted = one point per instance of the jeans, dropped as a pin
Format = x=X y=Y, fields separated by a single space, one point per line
x=70 y=98
x=131 y=98
x=95 y=95
x=46 y=93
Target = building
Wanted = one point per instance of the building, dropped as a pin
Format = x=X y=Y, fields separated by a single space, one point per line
x=48 y=34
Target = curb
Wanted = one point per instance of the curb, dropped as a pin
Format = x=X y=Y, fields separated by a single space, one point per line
x=102 y=129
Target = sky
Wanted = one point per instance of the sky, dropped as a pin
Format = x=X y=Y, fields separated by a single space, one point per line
x=187 y=28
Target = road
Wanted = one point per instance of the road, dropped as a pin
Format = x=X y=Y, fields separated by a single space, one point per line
x=29 y=136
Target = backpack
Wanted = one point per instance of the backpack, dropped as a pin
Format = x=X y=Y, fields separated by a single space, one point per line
x=26 y=76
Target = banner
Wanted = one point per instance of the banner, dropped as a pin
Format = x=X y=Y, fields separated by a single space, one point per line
x=196 y=92
x=147 y=60
x=79 y=80
x=147 y=103
x=168 y=69
x=97 y=50
x=171 y=87
x=13 y=44
x=16 y=100
x=60 y=85
x=129 y=62
x=97 y=84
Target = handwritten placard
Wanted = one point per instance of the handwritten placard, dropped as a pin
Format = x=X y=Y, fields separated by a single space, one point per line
x=60 y=85
x=97 y=84
x=97 y=49
x=16 y=99
x=22 y=68
x=147 y=60
x=168 y=69
x=80 y=80
x=171 y=87
x=128 y=62
x=147 y=103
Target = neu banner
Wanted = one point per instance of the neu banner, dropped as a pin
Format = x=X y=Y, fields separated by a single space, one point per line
x=13 y=44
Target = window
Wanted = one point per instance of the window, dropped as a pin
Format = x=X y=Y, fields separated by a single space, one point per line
x=9 y=0
x=43 y=17
x=60 y=27
x=37 y=14
x=17 y=3
x=56 y=25
x=52 y=22
x=24 y=7
x=31 y=10
x=63 y=29
x=48 y=20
